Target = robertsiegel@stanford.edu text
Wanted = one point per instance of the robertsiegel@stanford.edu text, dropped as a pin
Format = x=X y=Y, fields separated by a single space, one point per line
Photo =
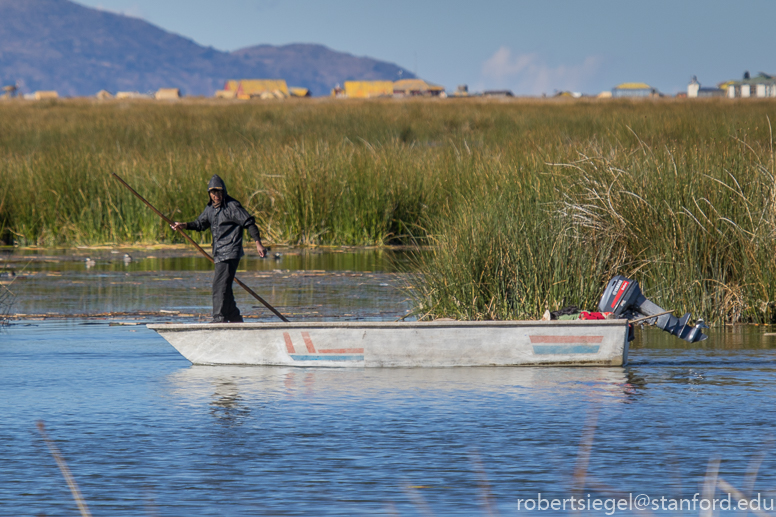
x=641 y=502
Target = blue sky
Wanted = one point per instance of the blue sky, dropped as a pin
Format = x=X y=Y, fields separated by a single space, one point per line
x=529 y=47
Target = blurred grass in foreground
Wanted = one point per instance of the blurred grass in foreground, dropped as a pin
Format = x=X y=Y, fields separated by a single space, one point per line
x=529 y=205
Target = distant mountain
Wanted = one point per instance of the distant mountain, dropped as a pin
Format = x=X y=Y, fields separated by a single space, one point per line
x=60 y=45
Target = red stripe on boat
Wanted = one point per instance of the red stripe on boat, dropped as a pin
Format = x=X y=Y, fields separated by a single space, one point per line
x=289 y=344
x=342 y=351
x=620 y=292
x=566 y=339
x=308 y=342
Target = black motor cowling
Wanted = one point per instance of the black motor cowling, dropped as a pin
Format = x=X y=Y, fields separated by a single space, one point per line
x=624 y=299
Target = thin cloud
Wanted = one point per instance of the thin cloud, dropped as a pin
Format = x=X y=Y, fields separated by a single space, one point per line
x=529 y=74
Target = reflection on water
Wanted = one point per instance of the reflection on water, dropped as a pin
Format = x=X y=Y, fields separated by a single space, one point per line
x=230 y=385
x=227 y=405
x=727 y=337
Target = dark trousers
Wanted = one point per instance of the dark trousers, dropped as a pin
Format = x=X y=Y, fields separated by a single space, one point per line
x=224 y=307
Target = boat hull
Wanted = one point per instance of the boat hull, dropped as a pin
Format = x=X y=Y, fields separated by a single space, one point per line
x=414 y=344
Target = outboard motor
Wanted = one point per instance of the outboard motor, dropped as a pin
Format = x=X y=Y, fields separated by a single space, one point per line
x=624 y=299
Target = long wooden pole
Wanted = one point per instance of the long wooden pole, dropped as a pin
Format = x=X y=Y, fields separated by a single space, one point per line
x=203 y=252
x=650 y=317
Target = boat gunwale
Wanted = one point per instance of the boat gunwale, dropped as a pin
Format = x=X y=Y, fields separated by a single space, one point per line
x=385 y=324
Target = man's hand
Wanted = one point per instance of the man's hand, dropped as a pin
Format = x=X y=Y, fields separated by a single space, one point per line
x=178 y=226
x=261 y=250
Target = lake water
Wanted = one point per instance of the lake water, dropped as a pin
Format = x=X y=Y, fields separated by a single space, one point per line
x=343 y=284
x=146 y=433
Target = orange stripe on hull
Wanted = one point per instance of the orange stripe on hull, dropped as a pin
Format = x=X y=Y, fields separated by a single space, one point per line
x=289 y=344
x=308 y=342
x=566 y=339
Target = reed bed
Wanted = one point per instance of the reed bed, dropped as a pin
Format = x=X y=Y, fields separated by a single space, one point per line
x=527 y=205
x=698 y=238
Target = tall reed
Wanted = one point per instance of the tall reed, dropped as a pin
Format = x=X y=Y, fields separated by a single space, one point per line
x=696 y=228
x=698 y=233
x=529 y=205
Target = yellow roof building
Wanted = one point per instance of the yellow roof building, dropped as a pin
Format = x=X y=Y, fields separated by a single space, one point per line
x=633 y=86
x=46 y=94
x=247 y=88
x=634 y=90
x=416 y=87
x=368 y=89
x=226 y=94
x=297 y=91
x=167 y=94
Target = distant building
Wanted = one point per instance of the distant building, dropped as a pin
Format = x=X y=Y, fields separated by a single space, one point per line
x=763 y=85
x=694 y=89
x=262 y=88
x=338 y=91
x=9 y=91
x=401 y=88
x=274 y=94
x=461 y=91
x=167 y=94
x=133 y=95
x=297 y=91
x=46 y=94
x=498 y=93
x=367 y=89
x=416 y=87
x=104 y=95
x=634 y=90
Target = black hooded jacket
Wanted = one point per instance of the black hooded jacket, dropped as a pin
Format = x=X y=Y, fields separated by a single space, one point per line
x=226 y=223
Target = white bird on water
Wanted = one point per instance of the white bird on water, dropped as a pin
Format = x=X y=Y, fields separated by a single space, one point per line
x=127 y=258
x=90 y=262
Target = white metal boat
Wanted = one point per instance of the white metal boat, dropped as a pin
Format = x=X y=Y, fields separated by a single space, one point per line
x=409 y=344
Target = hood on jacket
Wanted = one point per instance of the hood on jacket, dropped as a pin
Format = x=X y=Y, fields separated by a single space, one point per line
x=216 y=183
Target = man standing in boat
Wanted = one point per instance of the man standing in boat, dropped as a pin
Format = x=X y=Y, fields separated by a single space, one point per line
x=227 y=219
